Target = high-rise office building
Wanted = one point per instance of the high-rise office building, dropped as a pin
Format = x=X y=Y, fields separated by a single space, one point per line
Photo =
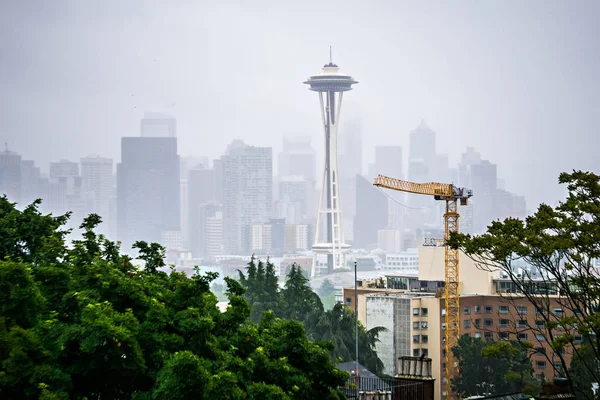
x=247 y=191
x=297 y=158
x=30 y=182
x=147 y=189
x=294 y=199
x=201 y=190
x=98 y=184
x=158 y=125
x=484 y=178
x=63 y=168
x=388 y=162
x=10 y=175
x=371 y=214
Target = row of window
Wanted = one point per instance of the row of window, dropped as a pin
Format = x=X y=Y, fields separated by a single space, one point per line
x=420 y=311
x=420 y=325
x=420 y=352
x=420 y=339
x=521 y=310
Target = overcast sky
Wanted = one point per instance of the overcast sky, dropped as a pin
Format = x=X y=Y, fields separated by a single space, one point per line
x=518 y=80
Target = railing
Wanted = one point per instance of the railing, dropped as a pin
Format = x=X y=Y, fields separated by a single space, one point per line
x=358 y=388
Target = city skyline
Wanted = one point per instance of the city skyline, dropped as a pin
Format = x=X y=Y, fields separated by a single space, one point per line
x=513 y=82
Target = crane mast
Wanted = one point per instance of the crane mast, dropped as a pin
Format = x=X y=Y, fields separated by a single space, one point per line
x=452 y=195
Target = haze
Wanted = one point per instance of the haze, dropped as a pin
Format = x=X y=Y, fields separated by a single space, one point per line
x=516 y=80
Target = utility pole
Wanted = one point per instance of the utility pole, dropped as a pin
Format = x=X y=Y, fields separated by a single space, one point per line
x=356 y=316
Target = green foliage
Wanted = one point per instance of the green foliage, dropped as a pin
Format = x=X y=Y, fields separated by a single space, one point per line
x=488 y=366
x=297 y=301
x=82 y=322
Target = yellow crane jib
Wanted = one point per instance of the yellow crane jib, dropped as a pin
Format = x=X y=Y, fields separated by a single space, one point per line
x=452 y=195
x=440 y=191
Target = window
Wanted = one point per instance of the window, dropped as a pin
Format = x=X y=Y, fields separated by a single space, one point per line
x=489 y=309
x=443 y=326
x=540 y=350
x=557 y=310
x=349 y=301
x=503 y=335
x=424 y=338
x=488 y=322
x=443 y=352
x=416 y=325
x=424 y=325
x=539 y=364
x=503 y=323
x=416 y=338
x=443 y=366
x=522 y=336
x=577 y=339
x=521 y=323
x=443 y=312
x=425 y=352
x=558 y=366
x=477 y=323
x=477 y=335
x=416 y=352
x=415 y=311
x=503 y=309
x=540 y=338
x=467 y=310
x=467 y=323
x=424 y=312
x=539 y=324
x=522 y=310
x=488 y=335
x=477 y=309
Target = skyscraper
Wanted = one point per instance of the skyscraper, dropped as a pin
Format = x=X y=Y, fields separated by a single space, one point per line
x=10 y=175
x=371 y=214
x=97 y=181
x=484 y=179
x=330 y=85
x=388 y=162
x=158 y=125
x=147 y=189
x=247 y=191
x=31 y=187
x=201 y=190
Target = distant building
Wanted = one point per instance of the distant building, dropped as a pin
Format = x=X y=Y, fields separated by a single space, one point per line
x=388 y=162
x=63 y=168
x=200 y=190
x=293 y=203
x=371 y=214
x=147 y=189
x=10 y=175
x=158 y=125
x=389 y=240
x=31 y=187
x=297 y=238
x=247 y=191
x=98 y=184
x=484 y=179
x=214 y=235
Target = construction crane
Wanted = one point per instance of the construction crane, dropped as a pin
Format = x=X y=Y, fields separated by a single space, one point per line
x=452 y=195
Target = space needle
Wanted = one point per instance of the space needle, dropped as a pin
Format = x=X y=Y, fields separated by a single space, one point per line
x=330 y=85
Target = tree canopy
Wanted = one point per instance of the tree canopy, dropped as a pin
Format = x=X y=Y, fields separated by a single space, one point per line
x=552 y=259
x=83 y=322
x=297 y=301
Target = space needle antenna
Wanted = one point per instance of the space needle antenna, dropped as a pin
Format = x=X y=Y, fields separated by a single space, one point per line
x=330 y=55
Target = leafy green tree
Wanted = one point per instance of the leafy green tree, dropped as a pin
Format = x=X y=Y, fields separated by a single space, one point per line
x=554 y=251
x=326 y=288
x=491 y=367
x=297 y=296
x=82 y=322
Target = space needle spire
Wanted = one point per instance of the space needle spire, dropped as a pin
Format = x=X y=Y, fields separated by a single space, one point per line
x=329 y=247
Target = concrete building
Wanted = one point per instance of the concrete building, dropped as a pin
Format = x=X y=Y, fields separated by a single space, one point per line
x=63 y=168
x=297 y=238
x=371 y=214
x=98 y=185
x=248 y=191
x=214 y=236
x=293 y=199
x=200 y=191
x=391 y=311
x=158 y=125
x=389 y=240
x=148 y=188
x=10 y=175
x=31 y=187
x=484 y=180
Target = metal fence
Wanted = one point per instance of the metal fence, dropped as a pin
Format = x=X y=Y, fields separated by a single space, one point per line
x=359 y=388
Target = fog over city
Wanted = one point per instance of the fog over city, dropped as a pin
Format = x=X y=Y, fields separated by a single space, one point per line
x=518 y=81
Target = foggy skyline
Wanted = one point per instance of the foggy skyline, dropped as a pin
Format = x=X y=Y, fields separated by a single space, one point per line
x=516 y=80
